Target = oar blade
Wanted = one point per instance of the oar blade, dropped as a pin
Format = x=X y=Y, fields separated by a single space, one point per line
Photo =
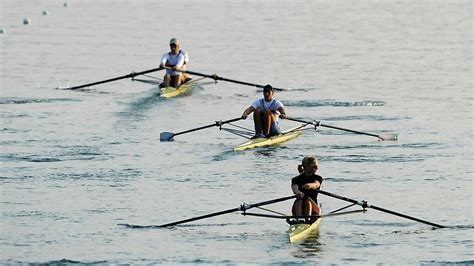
x=166 y=136
x=388 y=137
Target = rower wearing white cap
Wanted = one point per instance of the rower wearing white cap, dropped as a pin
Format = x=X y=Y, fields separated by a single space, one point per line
x=176 y=59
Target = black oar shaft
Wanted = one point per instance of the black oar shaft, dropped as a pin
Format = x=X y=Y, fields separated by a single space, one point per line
x=267 y=202
x=217 y=123
x=131 y=75
x=243 y=207
x=216 y=77
x=340 y=197
x=350 y=130
x=317 y=123
x=236 y=81
x=200 y=217
x=365 y=205
x=406 y=216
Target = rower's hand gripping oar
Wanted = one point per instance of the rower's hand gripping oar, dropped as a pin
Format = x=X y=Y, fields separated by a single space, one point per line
x=318 y=123
x=131 y=75
x=365 y=205
x=216 y=77
x=168 y=136
x=242 y=207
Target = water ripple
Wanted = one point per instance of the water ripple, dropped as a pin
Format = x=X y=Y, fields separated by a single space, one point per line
x=155 y=226
x=357 y=158
x=433 y=262
x=14 y=130
x=27 y=158
x=18 y=100
x=432 y=145
x=334 y=103
x=67 y=262
x=365 y=117
x=100 y=174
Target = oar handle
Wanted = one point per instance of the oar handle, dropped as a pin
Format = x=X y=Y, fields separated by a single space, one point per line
x=131 y=75
x=216 y=124
x=248 y=206
x=316 y=123
x=361 y=203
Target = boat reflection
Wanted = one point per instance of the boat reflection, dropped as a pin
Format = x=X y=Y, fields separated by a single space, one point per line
x=309 y=247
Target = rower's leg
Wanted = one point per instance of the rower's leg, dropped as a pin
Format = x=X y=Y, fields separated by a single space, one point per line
x=268 y=120
x=257 y=120
x=178 y=80
x=175 y=81
x=308 y=207
x=297 y=208
x=166 y=80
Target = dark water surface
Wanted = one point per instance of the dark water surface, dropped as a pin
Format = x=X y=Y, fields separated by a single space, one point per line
x=75 y=164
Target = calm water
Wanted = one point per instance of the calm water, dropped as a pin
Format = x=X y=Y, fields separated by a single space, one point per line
x=75 y=164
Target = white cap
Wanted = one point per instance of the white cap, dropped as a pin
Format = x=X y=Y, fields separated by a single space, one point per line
x=174 y=41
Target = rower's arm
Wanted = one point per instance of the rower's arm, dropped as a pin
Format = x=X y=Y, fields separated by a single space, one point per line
x=297 y=192
x=314 y=185
x=295 y=189
x=247 y=112
x=282 y=112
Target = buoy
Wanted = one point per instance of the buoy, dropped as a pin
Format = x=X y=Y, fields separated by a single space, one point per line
x=26 y=21
x=3 y=31
x=45 y=12
x=66 y=4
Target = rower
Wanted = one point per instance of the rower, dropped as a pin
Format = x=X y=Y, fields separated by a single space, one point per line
x=265 y=114
x=305 y=186
x=176 y=60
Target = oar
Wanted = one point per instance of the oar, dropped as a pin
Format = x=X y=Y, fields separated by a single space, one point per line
x=167 y=136
x=242 y=207
x=364 y=204
x=131 y=75
x=216 y=77
x=318 y=123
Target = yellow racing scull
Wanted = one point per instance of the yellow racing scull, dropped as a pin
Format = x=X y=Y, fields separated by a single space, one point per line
x=262 y=142
x=301 y=230
x=183 y=89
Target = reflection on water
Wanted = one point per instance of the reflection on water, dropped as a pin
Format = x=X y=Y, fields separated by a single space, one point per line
x=309 y=247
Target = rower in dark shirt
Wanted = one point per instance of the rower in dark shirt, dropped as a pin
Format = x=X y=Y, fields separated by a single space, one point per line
x=306 y=186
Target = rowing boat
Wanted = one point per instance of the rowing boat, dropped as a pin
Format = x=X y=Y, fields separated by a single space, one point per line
x=298 y=230
x=262 y=142
x=183 y=89
x=301 y=230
